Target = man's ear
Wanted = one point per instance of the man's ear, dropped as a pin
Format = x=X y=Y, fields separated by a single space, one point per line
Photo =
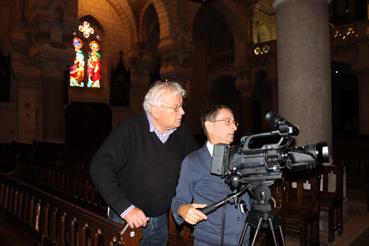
x=209 y=126
x=155 y=112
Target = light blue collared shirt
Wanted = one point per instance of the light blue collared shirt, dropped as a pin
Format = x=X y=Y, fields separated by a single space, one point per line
x=162 y=136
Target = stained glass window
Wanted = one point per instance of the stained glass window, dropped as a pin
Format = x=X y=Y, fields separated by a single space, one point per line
x=86 y=68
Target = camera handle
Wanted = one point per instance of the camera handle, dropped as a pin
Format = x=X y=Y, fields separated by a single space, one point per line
x=211 y=208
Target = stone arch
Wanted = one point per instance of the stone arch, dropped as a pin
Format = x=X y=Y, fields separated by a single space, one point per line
x=261 y=32
x=212 y=29
x=225 y=8
x=124 y=9
x=149 y=11
x=164 y=19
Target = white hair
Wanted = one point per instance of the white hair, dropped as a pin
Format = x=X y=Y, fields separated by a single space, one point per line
x=159 y=91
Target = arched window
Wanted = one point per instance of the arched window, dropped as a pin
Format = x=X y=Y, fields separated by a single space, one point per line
x=86 y=68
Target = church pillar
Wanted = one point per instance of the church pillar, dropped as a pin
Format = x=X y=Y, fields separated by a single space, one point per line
x=50 y=31
x=140 y=79
x=361 y=69
x=52 y=100
x=363 y=90
x=27 y=101
x=304 y=78
x=175 y=64
x=244 y=111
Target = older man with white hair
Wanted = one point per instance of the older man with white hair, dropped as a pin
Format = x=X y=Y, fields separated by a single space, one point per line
x=136 y=168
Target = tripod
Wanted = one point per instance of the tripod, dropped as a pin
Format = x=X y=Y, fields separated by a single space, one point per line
x=261 y=215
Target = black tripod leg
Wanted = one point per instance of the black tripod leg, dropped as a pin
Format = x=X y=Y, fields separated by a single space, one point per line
x=257 y=231
x=272 y=230
x=243 y=234
x=282 y=237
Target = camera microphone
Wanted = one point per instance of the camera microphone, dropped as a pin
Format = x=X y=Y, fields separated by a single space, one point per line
x=280 y=123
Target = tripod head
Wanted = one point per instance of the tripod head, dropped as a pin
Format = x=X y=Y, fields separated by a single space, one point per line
x=262 y=198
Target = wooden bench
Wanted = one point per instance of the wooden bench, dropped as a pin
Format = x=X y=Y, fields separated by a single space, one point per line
x=52 y=220
x=78 y=189
x=75 y=187
x=300 y=207
x=331 y=198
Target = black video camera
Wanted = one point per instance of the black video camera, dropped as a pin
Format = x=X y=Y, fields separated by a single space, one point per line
x=244 y=164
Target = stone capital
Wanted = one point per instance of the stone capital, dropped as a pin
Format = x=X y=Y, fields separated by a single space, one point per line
x=277 y=3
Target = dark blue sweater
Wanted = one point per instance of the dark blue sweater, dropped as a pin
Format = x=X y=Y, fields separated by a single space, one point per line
x=133 y=166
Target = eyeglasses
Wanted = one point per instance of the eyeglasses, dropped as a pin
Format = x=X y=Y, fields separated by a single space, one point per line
x=228 y=122
x=175 y=108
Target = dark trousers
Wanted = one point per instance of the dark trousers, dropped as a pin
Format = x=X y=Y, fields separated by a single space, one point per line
x=154 y=234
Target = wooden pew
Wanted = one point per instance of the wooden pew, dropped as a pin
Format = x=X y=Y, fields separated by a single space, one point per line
x=48 y=153
x=52 y=220
x=7 y=157
x=331 y=198
x=300 y=210
x=78 y=189
x=72 y=186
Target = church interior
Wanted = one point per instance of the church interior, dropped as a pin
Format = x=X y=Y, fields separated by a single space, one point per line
x=70 y=71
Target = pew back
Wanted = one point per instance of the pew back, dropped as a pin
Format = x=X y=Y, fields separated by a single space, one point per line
x=54 y=221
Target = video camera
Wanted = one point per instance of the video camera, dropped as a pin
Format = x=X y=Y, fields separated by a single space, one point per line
x=244 y=164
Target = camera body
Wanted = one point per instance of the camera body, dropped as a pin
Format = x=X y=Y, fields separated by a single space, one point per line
x=245 y=164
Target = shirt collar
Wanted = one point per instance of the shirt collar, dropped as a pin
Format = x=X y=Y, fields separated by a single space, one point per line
x=210 y=147
x=152 y=127
x=151 y=124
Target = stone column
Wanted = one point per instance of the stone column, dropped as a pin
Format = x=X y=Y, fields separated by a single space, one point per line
x=52 y=62
x=140 y=78
x=175 y=63
x=53 y=107
x=50 y=29
x=361 y=69
x=304 y=78
x=245 y=107
x=363 y=88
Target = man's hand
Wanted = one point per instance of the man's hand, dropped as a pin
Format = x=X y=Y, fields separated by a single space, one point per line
x=136 y=218
x=191 y=214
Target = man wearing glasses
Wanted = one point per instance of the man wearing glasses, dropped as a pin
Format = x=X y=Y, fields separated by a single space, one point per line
x=197 y=188
x=136 y=168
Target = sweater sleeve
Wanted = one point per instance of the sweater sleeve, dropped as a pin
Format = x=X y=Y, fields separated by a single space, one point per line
x=111 y=159
x=184 y=190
